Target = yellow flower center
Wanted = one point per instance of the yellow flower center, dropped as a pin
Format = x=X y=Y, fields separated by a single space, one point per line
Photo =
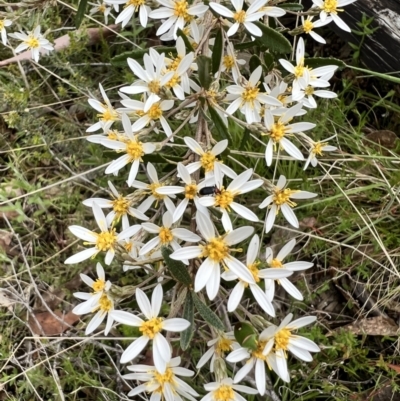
x=250 y=94
x=135 y=3
x=228 y=62
x=181 y=9
x=207 y=161
x=275 y=263
x=190 y=191
x=134 y=150
x=240 y=16
x=282 y=338
x=317 y=148
x=153 y=188
x=258 y=353
x=254 y=271
x=277 y=131
x=98 y=285
x=173 y=64
x=102 y=8
x=155 y=111
x=162 y=378
x=108 y=114
x=308 y=26
x=151 y=327
x=223 y=345
x=113 y=135
x=224 y=199
x=105 y=303
x=32 y=42
x=106 y=240
x=2 y=24
x=154 y=86
x=224 y=393
x=165 y=235
x=330 y=6
x=299 y=70
x=309 y=90
x=282 y=196
x=128 y=246
x=216 y=249
x=175 y=80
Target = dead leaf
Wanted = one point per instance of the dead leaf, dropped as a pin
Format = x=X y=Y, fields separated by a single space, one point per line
x=396 y=368
x=49 y=324
x=384 y=138
x=373 y=326
x=5 y=300
x=5 y=240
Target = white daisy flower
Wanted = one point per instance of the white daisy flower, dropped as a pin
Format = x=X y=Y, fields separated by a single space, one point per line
x=154 y=113
x=4 y=23
x=266 y=274
x=154 y=195
x=308 y=27
x=167 y=236
x=240 y=16
x=225 y=198
x=177 y=14
x=269 y=11
x=230 y=63
x=225 y=342
x=130 y=7
x=317 y=149
x=151 y=328
x=107 y=115
x=306 y=96
x=121 y=208
x=99 y=300
x=281 y=199
x=225 y=391
x=217 y=251
x=130 y=145
x=248 y=98
x=331 y=8
x=279 y=130
x=276 y=263
x=33 y=41
x=106 y=241
x=208 y=160
x=284 y=340
x=102 y=8
x=162 y=386
x=190 y=191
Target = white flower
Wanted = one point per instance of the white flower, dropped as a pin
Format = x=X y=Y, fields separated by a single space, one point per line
x=120 y=205
x=100 y=8
x=162 y=386
x=308 y=26
x=167 y=236
x=276 y=263
x=284 y=340
x=225 y=391
x=178 y=13
x=240 y=16
x=279 y=130
x=154 y=113
x=131 y=146
x=107 y=114
x=216 y=252
x=151 y=328
x=225 y=198
x=251 y=264
x=34 y=41
x=3 y=24
x=281 y=200
x=130 y=7
x=317 y=149
x=310 y=92
x=225 y=342
x=103 y=242
x=332 y=8
x=152 y=189
x=248 y=98
x=209 y=161
x=230 y=63
x=99 y=300
x=189 y=190
x=271 y=11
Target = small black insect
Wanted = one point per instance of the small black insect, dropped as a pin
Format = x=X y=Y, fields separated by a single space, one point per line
x=210 y=190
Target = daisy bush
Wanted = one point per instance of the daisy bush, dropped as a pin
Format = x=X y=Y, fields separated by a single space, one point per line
x=185 y=217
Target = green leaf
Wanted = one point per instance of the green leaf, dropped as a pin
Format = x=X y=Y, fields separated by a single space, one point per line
x=204 y=71
x=250 y=342
x=217 y=51
x=120 y=59
x=188 y=45
x=245 y=139
x=207 y=314
x=254 y=63
x=376 y=74
x=242 y=331
x=177 y=269
x=272 y=39
x=244 y=45
x=269 y=60
x=188 y=314
x=315 y=62
x=80 y=13
x=219 y=124
x=291 y=6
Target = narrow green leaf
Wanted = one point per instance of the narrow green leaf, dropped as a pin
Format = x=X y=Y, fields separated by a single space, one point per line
x=245 y=139
x=292 y=6
x=206 y=313
x=120 y=59
x=244 y=45
x=269 y=60
x=219 y=124
x=376 y=74
x=80 y=13
x=217 y=51
x=254 y=63
x=188 y=314
x=188 y=45
x=315 y=62
x=272 y=39
x=177 y=269
x=204 y=71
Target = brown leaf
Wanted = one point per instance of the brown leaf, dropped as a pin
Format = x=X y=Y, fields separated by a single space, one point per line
x=49 y=324
x=396 y=368
x=374 y=326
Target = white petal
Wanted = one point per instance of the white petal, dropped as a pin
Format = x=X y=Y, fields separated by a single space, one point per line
x=236 y=296
x=175 y=324
x=134 y=349
x=156 y=300
x=144 y=303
